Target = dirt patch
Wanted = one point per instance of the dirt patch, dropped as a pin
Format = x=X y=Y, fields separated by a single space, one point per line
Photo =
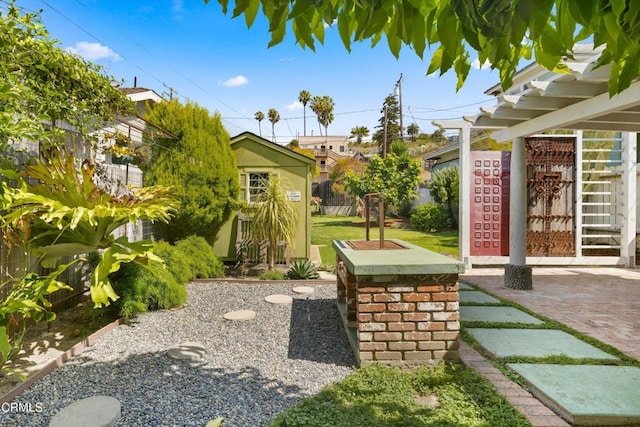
x=44 y=342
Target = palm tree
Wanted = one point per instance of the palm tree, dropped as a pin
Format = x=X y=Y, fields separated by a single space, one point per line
x=274 y=117
x=413 y=130
x=259 y=117
x=359 y=132
x=323 y=107
x=275 y=219
x=304 y=97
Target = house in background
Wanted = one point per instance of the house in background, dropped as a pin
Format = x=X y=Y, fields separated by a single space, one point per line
x=257 y=159
x=327 y=151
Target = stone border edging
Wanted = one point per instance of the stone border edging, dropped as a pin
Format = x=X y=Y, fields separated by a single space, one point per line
x=77 y=349
x=266 y=282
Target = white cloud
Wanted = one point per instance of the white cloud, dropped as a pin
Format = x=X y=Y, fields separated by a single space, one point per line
x=177 y=8
x=475 y=64
x=295 y=105
x=236 y=81
x=93 y=51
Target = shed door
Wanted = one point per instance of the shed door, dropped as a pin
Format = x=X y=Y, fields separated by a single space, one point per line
x=550 y=178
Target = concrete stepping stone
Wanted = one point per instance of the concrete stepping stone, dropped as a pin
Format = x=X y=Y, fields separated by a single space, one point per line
x=477 y=313
x=98 y=411
x=477 y=297
x=535 y=343
x=303 y=290
x=279 y=299
x=586 y=394
x=465 y=287
x=187 y=351
x=240 y=315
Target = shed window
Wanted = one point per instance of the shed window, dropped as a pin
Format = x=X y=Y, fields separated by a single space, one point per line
x=257 y=184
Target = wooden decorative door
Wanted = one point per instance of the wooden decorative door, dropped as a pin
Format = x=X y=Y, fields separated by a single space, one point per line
x=550 y=179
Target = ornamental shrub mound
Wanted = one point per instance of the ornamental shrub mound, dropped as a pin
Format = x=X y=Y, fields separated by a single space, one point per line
x=203 y=261
x=430 y=217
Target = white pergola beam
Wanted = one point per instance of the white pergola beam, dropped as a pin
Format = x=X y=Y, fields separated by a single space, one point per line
x=586 y=71
x=511 y=113
x=562 y=89
x=575 y=113
x=536 y=102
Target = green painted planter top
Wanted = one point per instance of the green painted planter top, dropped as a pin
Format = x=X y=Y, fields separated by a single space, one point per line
x=408 y=260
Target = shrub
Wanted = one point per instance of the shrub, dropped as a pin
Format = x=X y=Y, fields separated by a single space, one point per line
x=202 y=260
x=272 y=275
x=140 y=290
x=177 y=261
x=304 y=270
x=430 y=217
x=444 y=187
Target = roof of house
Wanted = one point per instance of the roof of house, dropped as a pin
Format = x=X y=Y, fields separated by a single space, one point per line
x=141 y=94
x=284 y=150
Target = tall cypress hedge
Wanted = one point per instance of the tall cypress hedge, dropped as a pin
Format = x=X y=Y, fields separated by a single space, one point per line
x=199 y=164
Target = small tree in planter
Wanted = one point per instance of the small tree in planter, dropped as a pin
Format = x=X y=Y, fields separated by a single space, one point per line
x=274 y=219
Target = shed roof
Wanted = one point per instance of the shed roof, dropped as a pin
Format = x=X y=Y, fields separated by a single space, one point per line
x=272 y=145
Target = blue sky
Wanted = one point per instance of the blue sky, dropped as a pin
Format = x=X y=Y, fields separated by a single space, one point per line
x=217 y=62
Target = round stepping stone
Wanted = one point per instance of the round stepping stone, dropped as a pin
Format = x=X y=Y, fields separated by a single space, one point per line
x=240 y=315
x=279 y=299
x=99 y=411
x=304 y=290
x=187 y=351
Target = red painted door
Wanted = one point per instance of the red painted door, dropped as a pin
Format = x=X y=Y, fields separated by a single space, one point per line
x=490 y=203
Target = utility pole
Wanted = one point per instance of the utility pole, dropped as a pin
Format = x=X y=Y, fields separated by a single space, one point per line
x=171 y=90
x=399 y=93
x=384 y=134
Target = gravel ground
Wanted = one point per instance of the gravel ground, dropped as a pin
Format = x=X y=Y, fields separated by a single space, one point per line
x=252 y=369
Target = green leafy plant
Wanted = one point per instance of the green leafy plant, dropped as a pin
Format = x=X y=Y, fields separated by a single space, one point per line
x=203 y=261
x=62 y=212
x=444 y=187
x=396 y=176
x=302 y=270
x=26 y=300
x=500 y=32
x=430 y=217
x=272 y=275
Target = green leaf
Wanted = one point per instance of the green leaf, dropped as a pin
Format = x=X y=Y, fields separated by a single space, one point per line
x=5 y=344
x=251 y=12
x=436 y=61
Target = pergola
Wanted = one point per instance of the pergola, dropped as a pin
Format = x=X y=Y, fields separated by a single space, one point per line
x=540 y=101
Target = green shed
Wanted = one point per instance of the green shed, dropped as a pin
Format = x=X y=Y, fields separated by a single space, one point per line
x=257 y=159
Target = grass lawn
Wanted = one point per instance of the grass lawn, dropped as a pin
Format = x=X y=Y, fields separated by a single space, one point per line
x=325 y=229
x=376 y=395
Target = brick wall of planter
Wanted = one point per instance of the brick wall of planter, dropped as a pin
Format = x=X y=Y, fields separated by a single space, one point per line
x=401 y=319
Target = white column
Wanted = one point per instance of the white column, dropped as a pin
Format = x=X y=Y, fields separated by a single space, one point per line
x=518 y=204
x=578 y=194
x=464 y=214
x=629 y=202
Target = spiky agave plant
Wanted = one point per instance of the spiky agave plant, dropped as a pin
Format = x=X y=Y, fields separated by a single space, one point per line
x=302 y=270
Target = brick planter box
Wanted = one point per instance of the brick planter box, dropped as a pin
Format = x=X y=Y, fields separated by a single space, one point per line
x=399 y=306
